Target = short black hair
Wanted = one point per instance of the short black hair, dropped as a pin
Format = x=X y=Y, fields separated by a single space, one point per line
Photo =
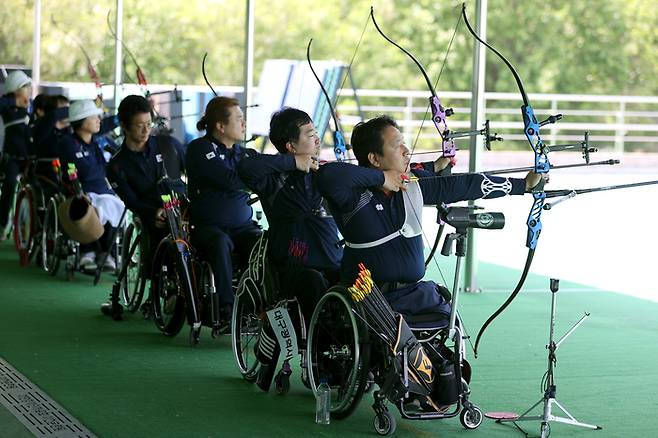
x=367 y=137
x=284 y=127
x=132 y=105
x=40 y=102
x=52 y=102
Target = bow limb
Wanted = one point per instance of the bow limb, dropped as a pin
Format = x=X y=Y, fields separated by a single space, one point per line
x=141 y=78
x=93 y=75
x=340 y=148
x=203 y=71
x=508 y=301
x=439 y=113
x=542 y=165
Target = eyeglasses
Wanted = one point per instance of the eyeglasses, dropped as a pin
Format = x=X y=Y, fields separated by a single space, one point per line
x=143 y=126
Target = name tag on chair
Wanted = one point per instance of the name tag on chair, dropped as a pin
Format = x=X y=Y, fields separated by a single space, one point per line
x=284 y=330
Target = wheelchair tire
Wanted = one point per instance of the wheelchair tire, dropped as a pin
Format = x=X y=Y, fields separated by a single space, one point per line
x=51 y=239
x=168 y=289
x=134 y=282
x=24 y=224
x=385 y=423
x=245 y=328
x=471 y=417
x=338 y=351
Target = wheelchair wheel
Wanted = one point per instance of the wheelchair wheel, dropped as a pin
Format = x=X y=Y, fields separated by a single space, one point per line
x=24 y=224
x=245 y=328
x=134 y=282
x=385 y=423
x=337 y=351
x=168 y=292
x=471 y=417
x=51 y=239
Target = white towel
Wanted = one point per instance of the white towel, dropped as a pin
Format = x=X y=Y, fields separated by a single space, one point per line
x=109 y=207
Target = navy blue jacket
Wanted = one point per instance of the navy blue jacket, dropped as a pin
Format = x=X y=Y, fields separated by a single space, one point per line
x=217 y=195
x=300 y=227
x=364 y=213
x=89 y=161
x=134 y=175
x=18 y=137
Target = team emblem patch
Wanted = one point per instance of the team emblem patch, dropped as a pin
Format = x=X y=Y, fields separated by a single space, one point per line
x=210 y=155
x=379 y=207
x=158 y=158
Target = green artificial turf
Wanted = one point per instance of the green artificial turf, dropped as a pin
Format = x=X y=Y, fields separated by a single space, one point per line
x=125 y=379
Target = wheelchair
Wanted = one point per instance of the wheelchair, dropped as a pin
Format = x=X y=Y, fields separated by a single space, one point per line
x=354 y=333
x=348 y=353
x=183 y=285
x=132 y=275
x=265 y=323
x=28 y=212
x=54 y=244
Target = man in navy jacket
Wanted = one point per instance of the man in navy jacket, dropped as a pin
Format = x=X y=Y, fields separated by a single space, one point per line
x=379 y=213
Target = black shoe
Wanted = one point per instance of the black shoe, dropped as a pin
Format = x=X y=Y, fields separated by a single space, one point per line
x=265 y=376
x=114 y=311
x=225 y=316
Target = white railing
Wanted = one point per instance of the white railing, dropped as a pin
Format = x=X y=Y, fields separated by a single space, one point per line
x=614 y=122
x=617 y=122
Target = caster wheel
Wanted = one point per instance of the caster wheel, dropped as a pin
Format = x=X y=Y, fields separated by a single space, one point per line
x=471 y=417
x=385 y=423
x=282 y=382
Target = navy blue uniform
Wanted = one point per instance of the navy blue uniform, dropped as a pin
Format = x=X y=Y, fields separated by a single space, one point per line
x=134 y=177
x=222 y=220
x=90 y=164
x=89 y=161
x=300 y=226
x=17 y=146
x=364 y=213
x=301 y=232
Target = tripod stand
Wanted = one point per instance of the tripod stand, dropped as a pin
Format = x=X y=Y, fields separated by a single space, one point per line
x=549 y=399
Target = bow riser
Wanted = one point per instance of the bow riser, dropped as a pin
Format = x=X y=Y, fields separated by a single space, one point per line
x=534 y=220
x=439 y=114
x=340 y=148
x=531 y=130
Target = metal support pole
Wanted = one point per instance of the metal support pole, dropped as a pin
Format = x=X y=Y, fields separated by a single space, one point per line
x=476 y=143
x=248 y=62
x=36 y=49
x=118 y=54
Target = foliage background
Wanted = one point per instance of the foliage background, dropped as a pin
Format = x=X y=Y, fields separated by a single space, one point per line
x=587 y=46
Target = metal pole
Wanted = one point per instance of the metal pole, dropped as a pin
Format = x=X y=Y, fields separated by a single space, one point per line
x=476 y=143
x=36 y=49
x=118 y=54
x=248 y=62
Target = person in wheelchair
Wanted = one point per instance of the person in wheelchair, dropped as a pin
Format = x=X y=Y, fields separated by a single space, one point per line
x=220 y=216
x=46 y=134
x=81 y=149
x=302 y=235
x=379 y=211
x=17 y=141
x=136 y=170
x=378 y=208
